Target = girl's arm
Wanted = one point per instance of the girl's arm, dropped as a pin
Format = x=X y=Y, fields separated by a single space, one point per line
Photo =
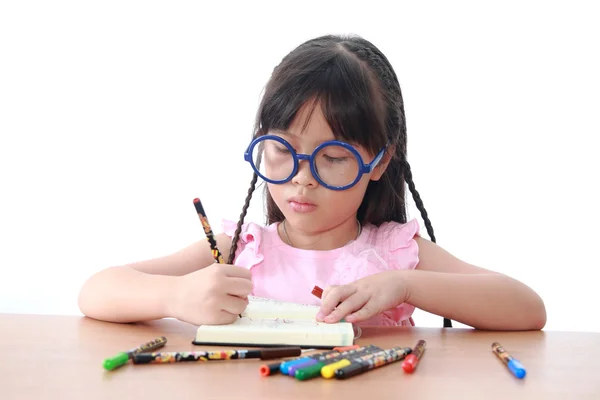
x=144 y=290
x=444 y=285
x=441 y=284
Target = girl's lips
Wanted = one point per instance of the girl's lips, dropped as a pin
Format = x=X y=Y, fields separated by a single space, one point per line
x=301 y=207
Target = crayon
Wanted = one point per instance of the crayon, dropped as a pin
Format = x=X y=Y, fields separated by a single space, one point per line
x=312 y=371
x=208 y=232
x=514 y=366
x=371 y=361
x=123 y=357
x=183 y=356
x=410 y=362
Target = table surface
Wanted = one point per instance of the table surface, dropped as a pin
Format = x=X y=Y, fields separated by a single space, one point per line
x=61 y=357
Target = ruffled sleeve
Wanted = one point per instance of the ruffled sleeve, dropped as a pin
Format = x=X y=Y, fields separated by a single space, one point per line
x=401 y=243
x=391 y=246
x=249 y=251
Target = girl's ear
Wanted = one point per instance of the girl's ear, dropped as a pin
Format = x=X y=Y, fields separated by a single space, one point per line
x=383 y=164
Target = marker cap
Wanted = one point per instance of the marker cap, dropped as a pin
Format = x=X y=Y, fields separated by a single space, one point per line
x=116 y=361
x=349 y=371
x=410 y=363
x=517 y=369
x=328 y=371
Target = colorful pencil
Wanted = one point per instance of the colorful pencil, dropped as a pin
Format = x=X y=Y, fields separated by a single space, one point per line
x=208 y=231
x=183 y=356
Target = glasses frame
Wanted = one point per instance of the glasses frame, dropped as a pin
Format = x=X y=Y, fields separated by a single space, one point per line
x=364 y=168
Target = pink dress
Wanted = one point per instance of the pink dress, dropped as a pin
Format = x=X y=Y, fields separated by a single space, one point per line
x=285 y=273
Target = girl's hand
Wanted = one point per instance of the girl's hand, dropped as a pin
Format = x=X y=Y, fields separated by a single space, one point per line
x=214 y=295
x=363 y=299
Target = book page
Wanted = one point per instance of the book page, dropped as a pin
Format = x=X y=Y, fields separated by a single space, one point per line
x=278 y=330
x=260 y=307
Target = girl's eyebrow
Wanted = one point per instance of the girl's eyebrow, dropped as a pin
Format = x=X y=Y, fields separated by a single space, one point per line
x=283 y=132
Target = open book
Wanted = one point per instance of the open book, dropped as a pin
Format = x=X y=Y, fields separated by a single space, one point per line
x=268 y=322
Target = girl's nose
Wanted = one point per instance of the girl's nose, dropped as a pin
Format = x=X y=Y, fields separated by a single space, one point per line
x=304 y=175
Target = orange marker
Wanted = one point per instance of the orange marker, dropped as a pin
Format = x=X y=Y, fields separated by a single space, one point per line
x=410 y=362
x=346 y=348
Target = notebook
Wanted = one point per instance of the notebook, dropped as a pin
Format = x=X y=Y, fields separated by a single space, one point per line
x=267 y=322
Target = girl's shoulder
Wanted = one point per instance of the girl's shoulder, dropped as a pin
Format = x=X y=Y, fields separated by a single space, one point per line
x=390 y=236
x=253 y=240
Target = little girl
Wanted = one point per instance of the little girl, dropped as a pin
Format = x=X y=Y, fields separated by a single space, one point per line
x=330 y=143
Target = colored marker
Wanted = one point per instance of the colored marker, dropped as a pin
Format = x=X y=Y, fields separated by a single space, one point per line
x=269 y=369
x=371 y=361
x=123 y=357
x=514 y=366
x=284 y=367
x=317 y=291
x=410 y=362
x=314 y=370
x=338 y=351
x=183 y=356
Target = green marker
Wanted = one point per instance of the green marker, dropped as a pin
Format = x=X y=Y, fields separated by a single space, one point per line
x=310 y=372
x=123 y=357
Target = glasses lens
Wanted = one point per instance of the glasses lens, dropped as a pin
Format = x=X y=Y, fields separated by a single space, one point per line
x=273 y=160
x=336 y=165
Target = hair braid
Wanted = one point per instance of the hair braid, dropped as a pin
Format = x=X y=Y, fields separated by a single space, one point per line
x=421 y=207
x=395 y=121
x=238 y=229
x=418 y=201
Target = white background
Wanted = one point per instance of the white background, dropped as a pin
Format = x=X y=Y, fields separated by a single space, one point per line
x=114 y=115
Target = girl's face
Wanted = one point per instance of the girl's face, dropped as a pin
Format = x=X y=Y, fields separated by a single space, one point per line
x=308 y=206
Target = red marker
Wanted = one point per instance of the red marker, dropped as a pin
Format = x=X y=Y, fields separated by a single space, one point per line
x=410 y=362
x=317 y=291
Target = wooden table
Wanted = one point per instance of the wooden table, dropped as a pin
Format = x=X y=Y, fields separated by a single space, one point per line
x=60 y=357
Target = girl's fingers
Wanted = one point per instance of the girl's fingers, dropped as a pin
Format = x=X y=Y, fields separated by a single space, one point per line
x=352 y=303
x=365 y=312
x=332 y=296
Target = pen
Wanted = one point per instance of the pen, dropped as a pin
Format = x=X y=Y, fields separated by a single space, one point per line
x=183 y=356
x=513 y=365
x=122 y=358
x=410 y=362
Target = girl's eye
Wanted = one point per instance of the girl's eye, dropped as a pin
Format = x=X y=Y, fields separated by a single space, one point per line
x=281 y=149
x=335 y=159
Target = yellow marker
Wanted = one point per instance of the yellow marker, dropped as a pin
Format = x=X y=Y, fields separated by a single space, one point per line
x=328 y=371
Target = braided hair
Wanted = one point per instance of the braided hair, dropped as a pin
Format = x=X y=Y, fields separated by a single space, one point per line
x=360 y=97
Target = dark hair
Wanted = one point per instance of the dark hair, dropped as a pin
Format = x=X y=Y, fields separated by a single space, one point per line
x=360 y=97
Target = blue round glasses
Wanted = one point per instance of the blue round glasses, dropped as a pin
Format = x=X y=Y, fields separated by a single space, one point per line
x=334 y=164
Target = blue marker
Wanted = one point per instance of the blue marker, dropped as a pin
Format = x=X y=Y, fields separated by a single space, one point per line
x=514 y=366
